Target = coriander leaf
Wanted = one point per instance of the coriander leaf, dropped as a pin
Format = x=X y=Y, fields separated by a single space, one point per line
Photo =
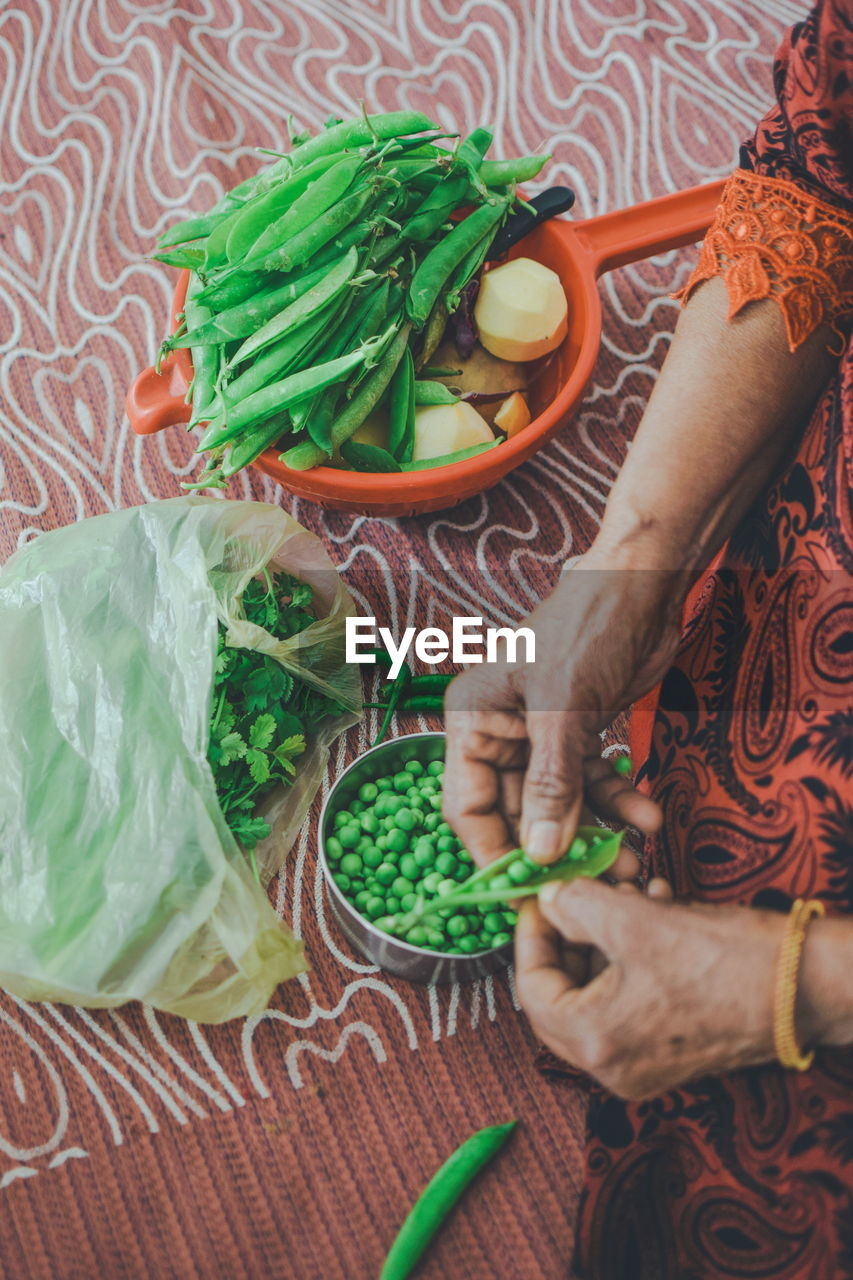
x=259 y=765
x=232 y=747
x=262 y=731
x=248 y=831
x=291 y=747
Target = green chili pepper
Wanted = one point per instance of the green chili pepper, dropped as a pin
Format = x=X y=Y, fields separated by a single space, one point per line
x=439 y=1197
x=397 y=688
x=423 y=704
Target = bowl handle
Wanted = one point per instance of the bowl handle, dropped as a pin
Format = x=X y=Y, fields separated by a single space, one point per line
x=627 y=235
x=157 y=400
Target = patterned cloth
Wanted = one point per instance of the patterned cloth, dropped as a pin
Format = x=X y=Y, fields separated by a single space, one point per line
x=751 y=1174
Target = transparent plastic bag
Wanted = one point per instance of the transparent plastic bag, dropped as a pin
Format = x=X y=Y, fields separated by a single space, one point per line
x=119 y=878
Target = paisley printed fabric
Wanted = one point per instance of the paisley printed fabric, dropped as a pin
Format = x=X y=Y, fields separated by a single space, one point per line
x=751 y=1174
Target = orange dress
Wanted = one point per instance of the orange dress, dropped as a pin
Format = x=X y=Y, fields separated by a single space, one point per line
x=750 y=1174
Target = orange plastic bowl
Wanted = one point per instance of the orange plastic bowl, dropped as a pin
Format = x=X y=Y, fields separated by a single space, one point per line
x=579 y=252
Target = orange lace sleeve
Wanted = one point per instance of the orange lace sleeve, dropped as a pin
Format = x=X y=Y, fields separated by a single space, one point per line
x=771 y=239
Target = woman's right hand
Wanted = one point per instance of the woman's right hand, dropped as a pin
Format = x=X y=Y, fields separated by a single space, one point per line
x=523 y=746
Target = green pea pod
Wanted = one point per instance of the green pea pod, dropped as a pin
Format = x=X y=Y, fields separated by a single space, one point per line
x=401 y=431
x=215 y=249
x=279 y=358
x=246 y=448
x=317 y=197
x=302 y=309
x=439 y=1196
x=432 y=334
x=247 y=317
x=302 y=247
x=434 y=393
x=434 y=271
x=237 y=287
x=468 y=268
x=205 y=359
x=260 y=213
x=184 y=257
x=368 y=457
x=506 y=173
x=354 y=133
x=280 y=395
x=199 y=226
x=305 y=455
x=446 y=459
x=470 y=154
x=437 y=207
x=320 y=417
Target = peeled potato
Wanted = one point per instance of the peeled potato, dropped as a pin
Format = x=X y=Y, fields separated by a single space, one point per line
x=521 y=310
x=444 y=428
x=513 y=415
x=374 y=430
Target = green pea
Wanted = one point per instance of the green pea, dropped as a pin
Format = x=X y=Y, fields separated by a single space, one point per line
x=445 y=829
x=518 y=873
x=409 y=867
x=351 y=864
x=493 y=923
x=416 y=936
x=435 y=803
x=501 y=939
x=361 y=899
x=402 y=781
x=375 y=907
x=384 y=784
x=349 y=836
x=462 y=872
x=446 y=844
x=406 y=820
x=501 y=882
x=343 y=818
x=432 y=881
x=387 y=924
x=469 y=944
x=392 y=904
x=356 y=807
x=445 y=887
x=334 y=849
x=364 y=843
x=408 y=902
x=392 y=804
x=435 y=768
x=428 y=787
x=457 y=926
x=417 y=802
x=474 y=921
x=434 y=938
x=511 y=918
x=424 y=855
x=402 y=886
x=382 y=842
x=369 y=822
x=386 y=873
x=431 y=821
x=415 y=767
x=578 y=849
x=343 y=882
x=446 y=864
x=398 y=840
x=368 y=791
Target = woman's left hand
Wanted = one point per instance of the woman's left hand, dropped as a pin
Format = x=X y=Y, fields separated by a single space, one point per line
x=644 y=994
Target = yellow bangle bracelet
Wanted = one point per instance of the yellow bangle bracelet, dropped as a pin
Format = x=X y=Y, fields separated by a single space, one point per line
x=785 y=996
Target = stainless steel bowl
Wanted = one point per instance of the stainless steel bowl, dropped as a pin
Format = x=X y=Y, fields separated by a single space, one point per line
x=401 y=958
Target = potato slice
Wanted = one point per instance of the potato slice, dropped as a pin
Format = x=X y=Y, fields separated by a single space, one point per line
x=521 y=310
x=374 y=430
x=513 y=415
x=444 y=428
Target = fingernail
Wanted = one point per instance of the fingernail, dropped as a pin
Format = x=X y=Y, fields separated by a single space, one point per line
x=543 y=841
x=549 y=891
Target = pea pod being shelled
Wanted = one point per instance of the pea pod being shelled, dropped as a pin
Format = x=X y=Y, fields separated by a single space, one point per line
x=323 y=281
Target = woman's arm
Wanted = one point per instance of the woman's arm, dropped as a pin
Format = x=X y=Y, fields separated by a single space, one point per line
x=522 y=742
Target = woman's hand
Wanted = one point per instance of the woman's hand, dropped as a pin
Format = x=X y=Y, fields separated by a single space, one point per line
x=523 y=747
x=643 y=994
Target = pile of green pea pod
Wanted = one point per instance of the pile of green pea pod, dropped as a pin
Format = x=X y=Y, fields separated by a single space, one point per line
x=318 y=287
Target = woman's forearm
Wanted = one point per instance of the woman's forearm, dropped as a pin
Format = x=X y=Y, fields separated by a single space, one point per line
x=824 y=1013
x=727 y=407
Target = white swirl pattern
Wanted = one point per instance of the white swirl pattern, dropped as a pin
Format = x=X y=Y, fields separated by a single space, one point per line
x=114 y=118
